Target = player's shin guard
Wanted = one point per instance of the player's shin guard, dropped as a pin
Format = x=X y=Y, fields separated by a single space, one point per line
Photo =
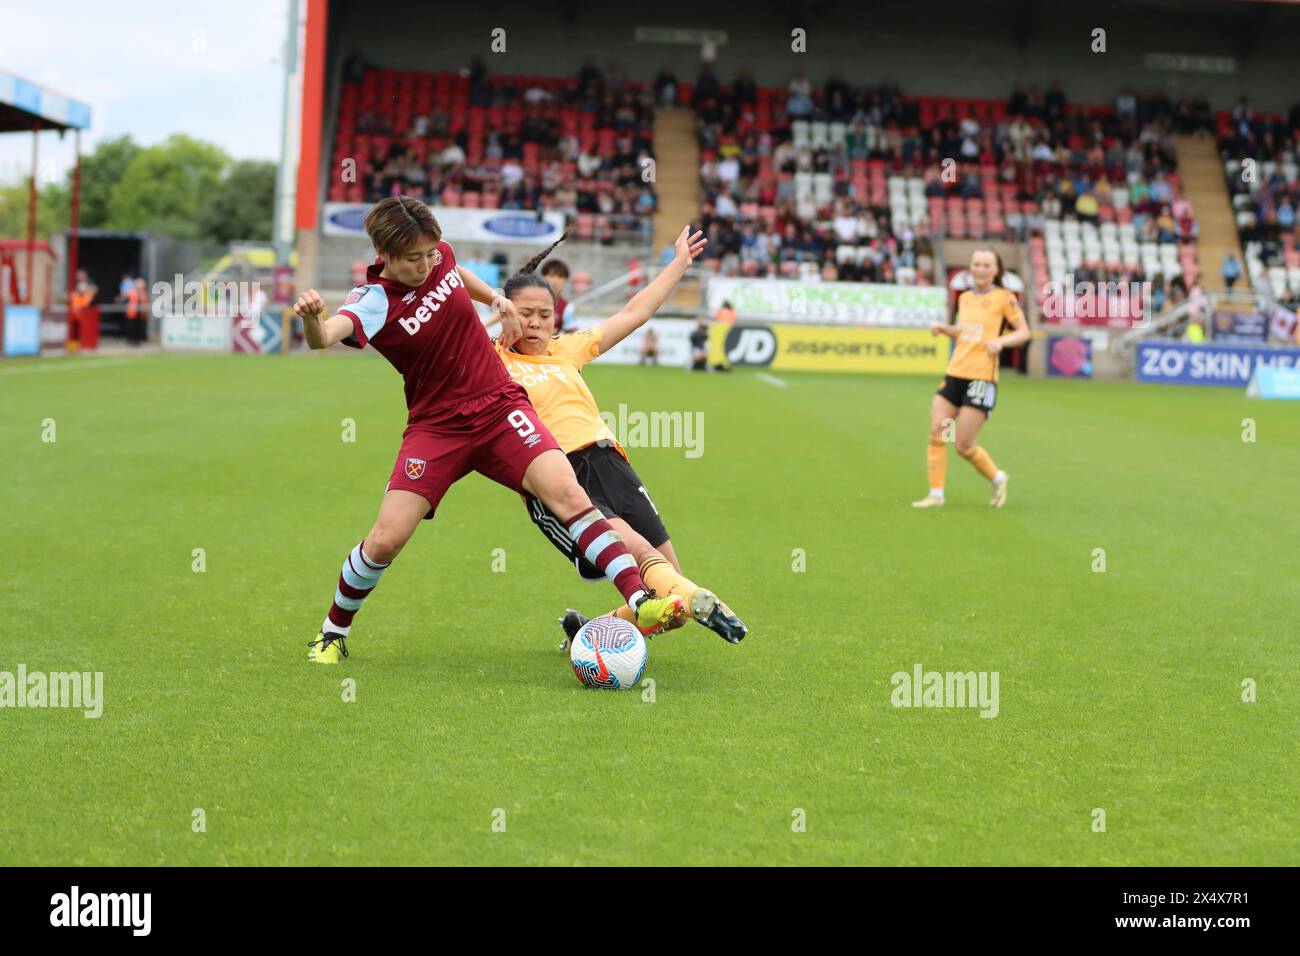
x=936 y=463
x=980 y=459
x=603 y=547
x=357 y=579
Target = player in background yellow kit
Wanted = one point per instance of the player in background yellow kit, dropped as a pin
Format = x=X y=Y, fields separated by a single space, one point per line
x=550 y=368
x=969 y=390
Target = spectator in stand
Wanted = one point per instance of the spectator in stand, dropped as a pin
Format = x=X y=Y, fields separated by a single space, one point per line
x=1165 y=226
x=1086 y=207
x=1286 y=216
x=706 y=87
x=744 y=92
x=799 y=104
x=590 y=82
x=1158 y=293
x=452 y=155
x=726 y=314
x=1231 y=270
x=665 y=87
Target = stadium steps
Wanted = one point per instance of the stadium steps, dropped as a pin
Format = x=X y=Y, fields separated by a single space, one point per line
x=1201 y=171
x=677 y=183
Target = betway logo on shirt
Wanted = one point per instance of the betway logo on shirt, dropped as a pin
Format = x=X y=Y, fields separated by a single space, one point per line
x=431 y=303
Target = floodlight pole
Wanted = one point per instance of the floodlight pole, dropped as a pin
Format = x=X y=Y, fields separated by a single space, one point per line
x=286 y=174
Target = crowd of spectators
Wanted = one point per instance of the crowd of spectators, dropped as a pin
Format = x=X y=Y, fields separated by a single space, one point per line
x=1261 y=155
x=1032 y=156
x=576 y=146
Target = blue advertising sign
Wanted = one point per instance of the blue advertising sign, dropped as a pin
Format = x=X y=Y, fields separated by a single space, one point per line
x=1274 y=382
x=1178 y=363
x=22 y=330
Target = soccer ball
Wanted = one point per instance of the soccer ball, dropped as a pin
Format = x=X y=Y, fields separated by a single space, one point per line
x=608 y=652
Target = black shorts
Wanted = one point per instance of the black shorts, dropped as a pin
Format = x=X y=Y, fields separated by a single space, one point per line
x=975 y=393
x=615 y=490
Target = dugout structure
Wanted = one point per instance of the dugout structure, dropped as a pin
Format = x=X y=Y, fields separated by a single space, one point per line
x=27 y=107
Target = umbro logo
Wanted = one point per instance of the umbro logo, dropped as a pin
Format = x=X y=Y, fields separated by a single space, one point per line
x=409 y=297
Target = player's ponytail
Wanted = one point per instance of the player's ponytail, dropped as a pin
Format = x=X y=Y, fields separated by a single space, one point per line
x=532 y=264
x=527 y=277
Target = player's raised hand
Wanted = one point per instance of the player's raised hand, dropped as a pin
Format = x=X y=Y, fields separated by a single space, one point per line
x=309 y=304
x=688 y=246
x=511 y=328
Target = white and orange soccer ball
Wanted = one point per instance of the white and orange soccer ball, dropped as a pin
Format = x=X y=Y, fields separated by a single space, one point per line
x=608 y=652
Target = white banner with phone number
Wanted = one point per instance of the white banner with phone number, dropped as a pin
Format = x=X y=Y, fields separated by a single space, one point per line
x=829 y=303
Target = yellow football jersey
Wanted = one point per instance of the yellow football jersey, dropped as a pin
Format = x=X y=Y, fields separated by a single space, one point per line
x=556 y=389
x=979 y=318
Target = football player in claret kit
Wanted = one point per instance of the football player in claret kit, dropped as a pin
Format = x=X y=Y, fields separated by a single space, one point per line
x=464 y=413
x=549 y=365
x=969 y=390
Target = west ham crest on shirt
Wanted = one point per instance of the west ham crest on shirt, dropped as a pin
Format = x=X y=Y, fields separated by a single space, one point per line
x=437 y=258
x=414 y=468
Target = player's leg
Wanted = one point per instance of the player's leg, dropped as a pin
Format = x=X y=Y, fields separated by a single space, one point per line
x=969 y=422
x=515 y=449
x=618 y=491
x=942 y=413
x=399 y=515
x=428 y=463
x=550 y=479
x=670 y=555
x=705 y=606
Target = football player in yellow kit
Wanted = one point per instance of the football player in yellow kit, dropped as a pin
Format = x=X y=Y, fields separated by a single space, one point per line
x=969 y=390
x=550 y=368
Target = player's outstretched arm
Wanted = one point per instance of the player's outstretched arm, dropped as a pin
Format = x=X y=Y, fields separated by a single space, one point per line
x=646 y=302
x=319 y=332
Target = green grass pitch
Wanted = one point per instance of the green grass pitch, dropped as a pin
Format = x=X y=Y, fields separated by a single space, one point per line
x=1119 y=691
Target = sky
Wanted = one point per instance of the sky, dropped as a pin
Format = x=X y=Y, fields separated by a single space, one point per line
x=149 y=68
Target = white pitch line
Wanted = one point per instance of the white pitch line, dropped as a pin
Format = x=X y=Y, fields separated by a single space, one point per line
x=771 y=379
x=60 y=365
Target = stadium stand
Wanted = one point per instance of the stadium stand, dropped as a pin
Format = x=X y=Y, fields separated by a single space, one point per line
x=571 y=144
x=853 y=183
x=1266 y=194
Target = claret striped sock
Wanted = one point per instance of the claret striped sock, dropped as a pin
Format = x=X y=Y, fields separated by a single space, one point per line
x=606 y=550
x=357 y=579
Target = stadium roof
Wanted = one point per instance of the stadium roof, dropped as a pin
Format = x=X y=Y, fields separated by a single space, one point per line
x=25 y=106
